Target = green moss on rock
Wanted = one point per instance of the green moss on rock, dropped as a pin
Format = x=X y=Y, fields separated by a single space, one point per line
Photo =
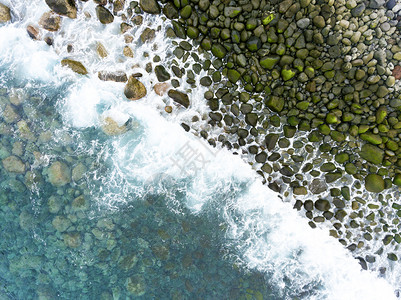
x=372 y=154
x=374 y=183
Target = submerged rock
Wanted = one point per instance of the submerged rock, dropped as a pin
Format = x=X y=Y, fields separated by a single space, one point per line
x=74 y=65
x=59 y=174
x=54 y=204
x=80 y=203
x=127 y=262
x=5 y=14
x=136 y=285
x=78 y=172
x=111 y=127
x=134 y=89
x=61 y=223
x=72 y=240
x=63 y=7
x=10 y=115
x=14 y=164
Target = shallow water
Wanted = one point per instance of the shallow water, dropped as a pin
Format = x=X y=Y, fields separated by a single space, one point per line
x=152 y=213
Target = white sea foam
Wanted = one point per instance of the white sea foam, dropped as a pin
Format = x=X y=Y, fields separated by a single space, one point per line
x=27 y=58
x=263 y=232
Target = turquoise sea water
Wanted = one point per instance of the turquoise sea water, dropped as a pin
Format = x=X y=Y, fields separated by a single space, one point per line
x=153 y=213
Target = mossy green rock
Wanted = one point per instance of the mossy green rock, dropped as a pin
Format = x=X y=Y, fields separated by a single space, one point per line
x=341 y=157
x=337 y=136
x=322 y=205
x=303 y=105
x=268 y=62
x=275 y=103
x=387 y=239
x=397 y=179
x=374 y=183
x=266 y=20
x=271 y=141
x=287 y=74
x=150 y=6
x=327 y=167
x=192 y=32
x=170 y=11
x=235 y=36
x=74 y=65
x=350 y=168
x=331 y=177
x=233 y=75
x=381 y=114
x=206 y=44
x=391 y=145
x=331 y=118
x=372 y=154
x=179 y=30
x=232 y=12
x=253 y=44
x=186 y=12
x=301 y=190
x=251 y=119
x=324 y=129
x=218 y=50
x=371 y=138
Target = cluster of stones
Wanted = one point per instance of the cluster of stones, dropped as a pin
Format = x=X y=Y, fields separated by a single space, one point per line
x=328 y=70
x=25 y=169
x=122 y=254
x=134 y=89
x=313 y=65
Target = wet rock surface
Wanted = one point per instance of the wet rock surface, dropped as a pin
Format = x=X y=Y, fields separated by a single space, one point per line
x=50 y=21
x=74 y=65
x=134 y=89
x=5 y=13
x=63 y=7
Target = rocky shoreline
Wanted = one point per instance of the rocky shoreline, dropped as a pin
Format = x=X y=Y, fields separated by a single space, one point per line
x=306 y=91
